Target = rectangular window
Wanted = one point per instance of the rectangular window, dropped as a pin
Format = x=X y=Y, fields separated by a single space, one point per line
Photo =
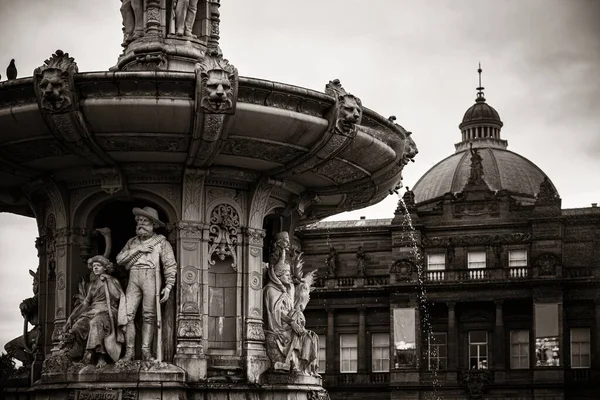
x=436 y=264
x=476 y=259
x=438 y=349
x=348 y=353
x=322 y=353
x=580 y=348
x=380 y=352
x=478 y=350
x=517 y=258
x=547 y=343
x=405 y=345
x=519 y=349
x=476 y=263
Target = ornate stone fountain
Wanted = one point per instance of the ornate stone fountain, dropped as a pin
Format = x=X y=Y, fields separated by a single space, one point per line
x=228 y=164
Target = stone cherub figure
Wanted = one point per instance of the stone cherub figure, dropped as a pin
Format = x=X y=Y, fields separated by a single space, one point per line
x=22 y=347
x=290 y=346
x=95 y=327
x=142 y=256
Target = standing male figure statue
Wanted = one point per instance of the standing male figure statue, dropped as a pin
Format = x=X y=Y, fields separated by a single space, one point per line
x=142 y=256
x=132 y=12
x=184 y=16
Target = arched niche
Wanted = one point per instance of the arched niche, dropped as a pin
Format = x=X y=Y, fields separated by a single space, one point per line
x=100 y=210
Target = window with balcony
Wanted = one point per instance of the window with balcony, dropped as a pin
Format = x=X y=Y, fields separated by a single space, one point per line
x=436 y=264
x=547 y=340
x=517 y=263
x=580 y=348
x=380 y=352
x=348 y=353
x=437 y=351
x=476 y=264
x=519 y=349
x=478 y=350
x=322 y=353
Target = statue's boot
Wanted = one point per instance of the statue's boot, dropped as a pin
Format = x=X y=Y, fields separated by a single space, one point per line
x=147 y=336
x=129 y=341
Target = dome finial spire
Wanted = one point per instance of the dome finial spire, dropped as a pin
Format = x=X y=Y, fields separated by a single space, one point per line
x=480 y=97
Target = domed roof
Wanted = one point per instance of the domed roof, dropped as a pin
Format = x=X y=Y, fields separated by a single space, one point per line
x=502 y=169
x=480 y=112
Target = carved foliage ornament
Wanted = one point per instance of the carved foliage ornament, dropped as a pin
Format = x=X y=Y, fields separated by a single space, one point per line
x=402 y=269
x=223 y=231
x=216 y=84
x=189 y=329
x=348 y=108
x=54 y=83
x=546 y=264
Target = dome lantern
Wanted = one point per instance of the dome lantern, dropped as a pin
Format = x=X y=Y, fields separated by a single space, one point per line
x=481 y=124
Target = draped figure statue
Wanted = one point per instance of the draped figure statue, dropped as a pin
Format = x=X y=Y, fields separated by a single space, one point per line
x=290 y=346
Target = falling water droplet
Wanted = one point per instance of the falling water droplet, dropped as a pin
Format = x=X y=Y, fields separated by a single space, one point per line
x=424 y=306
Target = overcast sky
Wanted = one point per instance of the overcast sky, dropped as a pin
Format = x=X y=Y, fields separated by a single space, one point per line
x=416 y=59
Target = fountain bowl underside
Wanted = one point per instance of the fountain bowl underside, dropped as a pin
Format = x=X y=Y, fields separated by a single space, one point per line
x=148 y=122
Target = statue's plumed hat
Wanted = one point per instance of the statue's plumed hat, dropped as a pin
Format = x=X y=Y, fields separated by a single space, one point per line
x=149 y=213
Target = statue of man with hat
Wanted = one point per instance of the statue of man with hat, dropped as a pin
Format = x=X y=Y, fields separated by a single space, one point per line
x=142 y=256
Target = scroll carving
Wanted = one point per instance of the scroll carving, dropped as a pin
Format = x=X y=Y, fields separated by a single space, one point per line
x=223 y=231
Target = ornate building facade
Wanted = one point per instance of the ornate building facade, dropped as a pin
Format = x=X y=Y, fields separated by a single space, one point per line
x=480 y=287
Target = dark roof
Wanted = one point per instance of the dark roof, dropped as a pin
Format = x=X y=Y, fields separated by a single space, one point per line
x=481 y=112
x=502 y=168
x=348 y=224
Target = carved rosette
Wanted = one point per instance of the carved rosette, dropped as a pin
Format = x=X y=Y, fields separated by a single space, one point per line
x=54 y=85
x=347 y=110
x=216 y=84
x=223 y=231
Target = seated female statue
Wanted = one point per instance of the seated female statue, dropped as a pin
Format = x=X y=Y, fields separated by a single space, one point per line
x=91 y=329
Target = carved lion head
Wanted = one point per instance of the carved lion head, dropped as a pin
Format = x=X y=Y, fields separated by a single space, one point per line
x=53 y=82
x=54 y=90
x=349 y=113
x=218 y=90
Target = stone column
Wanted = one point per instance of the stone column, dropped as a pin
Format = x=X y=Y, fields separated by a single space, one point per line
x=189 y=352
x=362 y=341
x=254 y=341
x=452 y=337
x=330 y=365
x=499 y=341
x=61 y=303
